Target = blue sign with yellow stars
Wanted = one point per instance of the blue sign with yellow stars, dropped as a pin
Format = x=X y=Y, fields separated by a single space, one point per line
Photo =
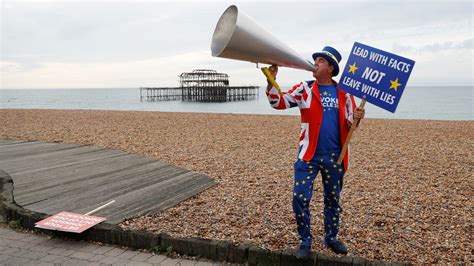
x=378 y=75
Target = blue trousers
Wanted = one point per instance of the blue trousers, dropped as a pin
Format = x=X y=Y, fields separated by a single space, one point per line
x=332 y=178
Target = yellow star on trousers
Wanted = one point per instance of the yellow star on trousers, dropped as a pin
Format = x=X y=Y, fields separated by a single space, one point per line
x=353 y=68
x=395 y=84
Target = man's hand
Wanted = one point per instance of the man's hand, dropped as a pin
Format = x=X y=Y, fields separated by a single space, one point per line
x=359 y=113
x=274 y=70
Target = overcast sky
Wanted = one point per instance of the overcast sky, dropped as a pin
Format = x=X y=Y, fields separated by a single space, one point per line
x=128 y=44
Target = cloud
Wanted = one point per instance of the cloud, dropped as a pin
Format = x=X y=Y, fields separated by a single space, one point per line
x=131 y=44
x=467 y=44
x=8 y=67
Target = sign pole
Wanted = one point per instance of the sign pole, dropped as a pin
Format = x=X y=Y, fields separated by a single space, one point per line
x=99 y=208
x=349 y=135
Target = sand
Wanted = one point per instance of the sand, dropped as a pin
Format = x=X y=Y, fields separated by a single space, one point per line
x=407 y=195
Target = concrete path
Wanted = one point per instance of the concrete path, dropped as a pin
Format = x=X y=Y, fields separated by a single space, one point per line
x=19 y=248
x=54 y=177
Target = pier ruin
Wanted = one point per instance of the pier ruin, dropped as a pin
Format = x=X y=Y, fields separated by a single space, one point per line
x=201 y=85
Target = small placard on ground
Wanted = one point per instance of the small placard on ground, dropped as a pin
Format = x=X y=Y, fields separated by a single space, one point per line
x=69 y=222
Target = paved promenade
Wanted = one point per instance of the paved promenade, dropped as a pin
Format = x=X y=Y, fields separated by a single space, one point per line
x=18 y=248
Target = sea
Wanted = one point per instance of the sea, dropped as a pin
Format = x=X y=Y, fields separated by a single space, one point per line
x=417 y=102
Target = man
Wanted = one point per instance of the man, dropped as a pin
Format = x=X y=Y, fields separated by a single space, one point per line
x=326 y=116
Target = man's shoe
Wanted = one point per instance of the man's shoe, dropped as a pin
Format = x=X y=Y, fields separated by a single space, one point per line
x=303 y=252
x=338 y=247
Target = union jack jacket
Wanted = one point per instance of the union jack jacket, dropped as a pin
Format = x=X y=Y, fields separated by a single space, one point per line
x=305 y=95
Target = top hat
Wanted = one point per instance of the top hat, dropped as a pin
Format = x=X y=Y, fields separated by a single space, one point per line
x=332 y=56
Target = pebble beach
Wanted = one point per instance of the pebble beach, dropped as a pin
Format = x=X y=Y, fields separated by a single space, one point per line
x=407 y=195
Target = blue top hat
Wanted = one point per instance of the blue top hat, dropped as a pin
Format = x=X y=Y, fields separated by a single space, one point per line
x=333 y=57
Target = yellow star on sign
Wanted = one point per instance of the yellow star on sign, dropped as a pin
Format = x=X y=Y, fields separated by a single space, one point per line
x=353 y=68
x=395 y=84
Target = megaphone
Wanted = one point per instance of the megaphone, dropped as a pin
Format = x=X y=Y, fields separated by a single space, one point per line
x=237 y=36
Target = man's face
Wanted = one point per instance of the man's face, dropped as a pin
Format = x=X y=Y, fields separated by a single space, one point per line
x=323 y=68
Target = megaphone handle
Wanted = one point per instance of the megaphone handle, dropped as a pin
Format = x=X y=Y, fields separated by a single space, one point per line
x=270 y=78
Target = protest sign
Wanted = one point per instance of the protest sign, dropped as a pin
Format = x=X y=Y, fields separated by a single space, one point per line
x=378 y=75
x=69 y=222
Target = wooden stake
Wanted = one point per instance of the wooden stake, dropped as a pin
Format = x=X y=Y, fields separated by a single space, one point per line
x=349 y=135
x=99 y=208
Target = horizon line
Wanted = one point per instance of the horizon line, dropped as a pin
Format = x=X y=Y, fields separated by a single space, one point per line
x=138 y=87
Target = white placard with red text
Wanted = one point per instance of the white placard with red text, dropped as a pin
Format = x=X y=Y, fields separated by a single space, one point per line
x=69 y=222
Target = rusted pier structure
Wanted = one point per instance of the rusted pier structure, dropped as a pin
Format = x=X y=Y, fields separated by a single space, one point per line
x=201 y=85
x=160 y=94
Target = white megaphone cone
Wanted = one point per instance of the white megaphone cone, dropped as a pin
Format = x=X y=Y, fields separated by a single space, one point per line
x=239 y=37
